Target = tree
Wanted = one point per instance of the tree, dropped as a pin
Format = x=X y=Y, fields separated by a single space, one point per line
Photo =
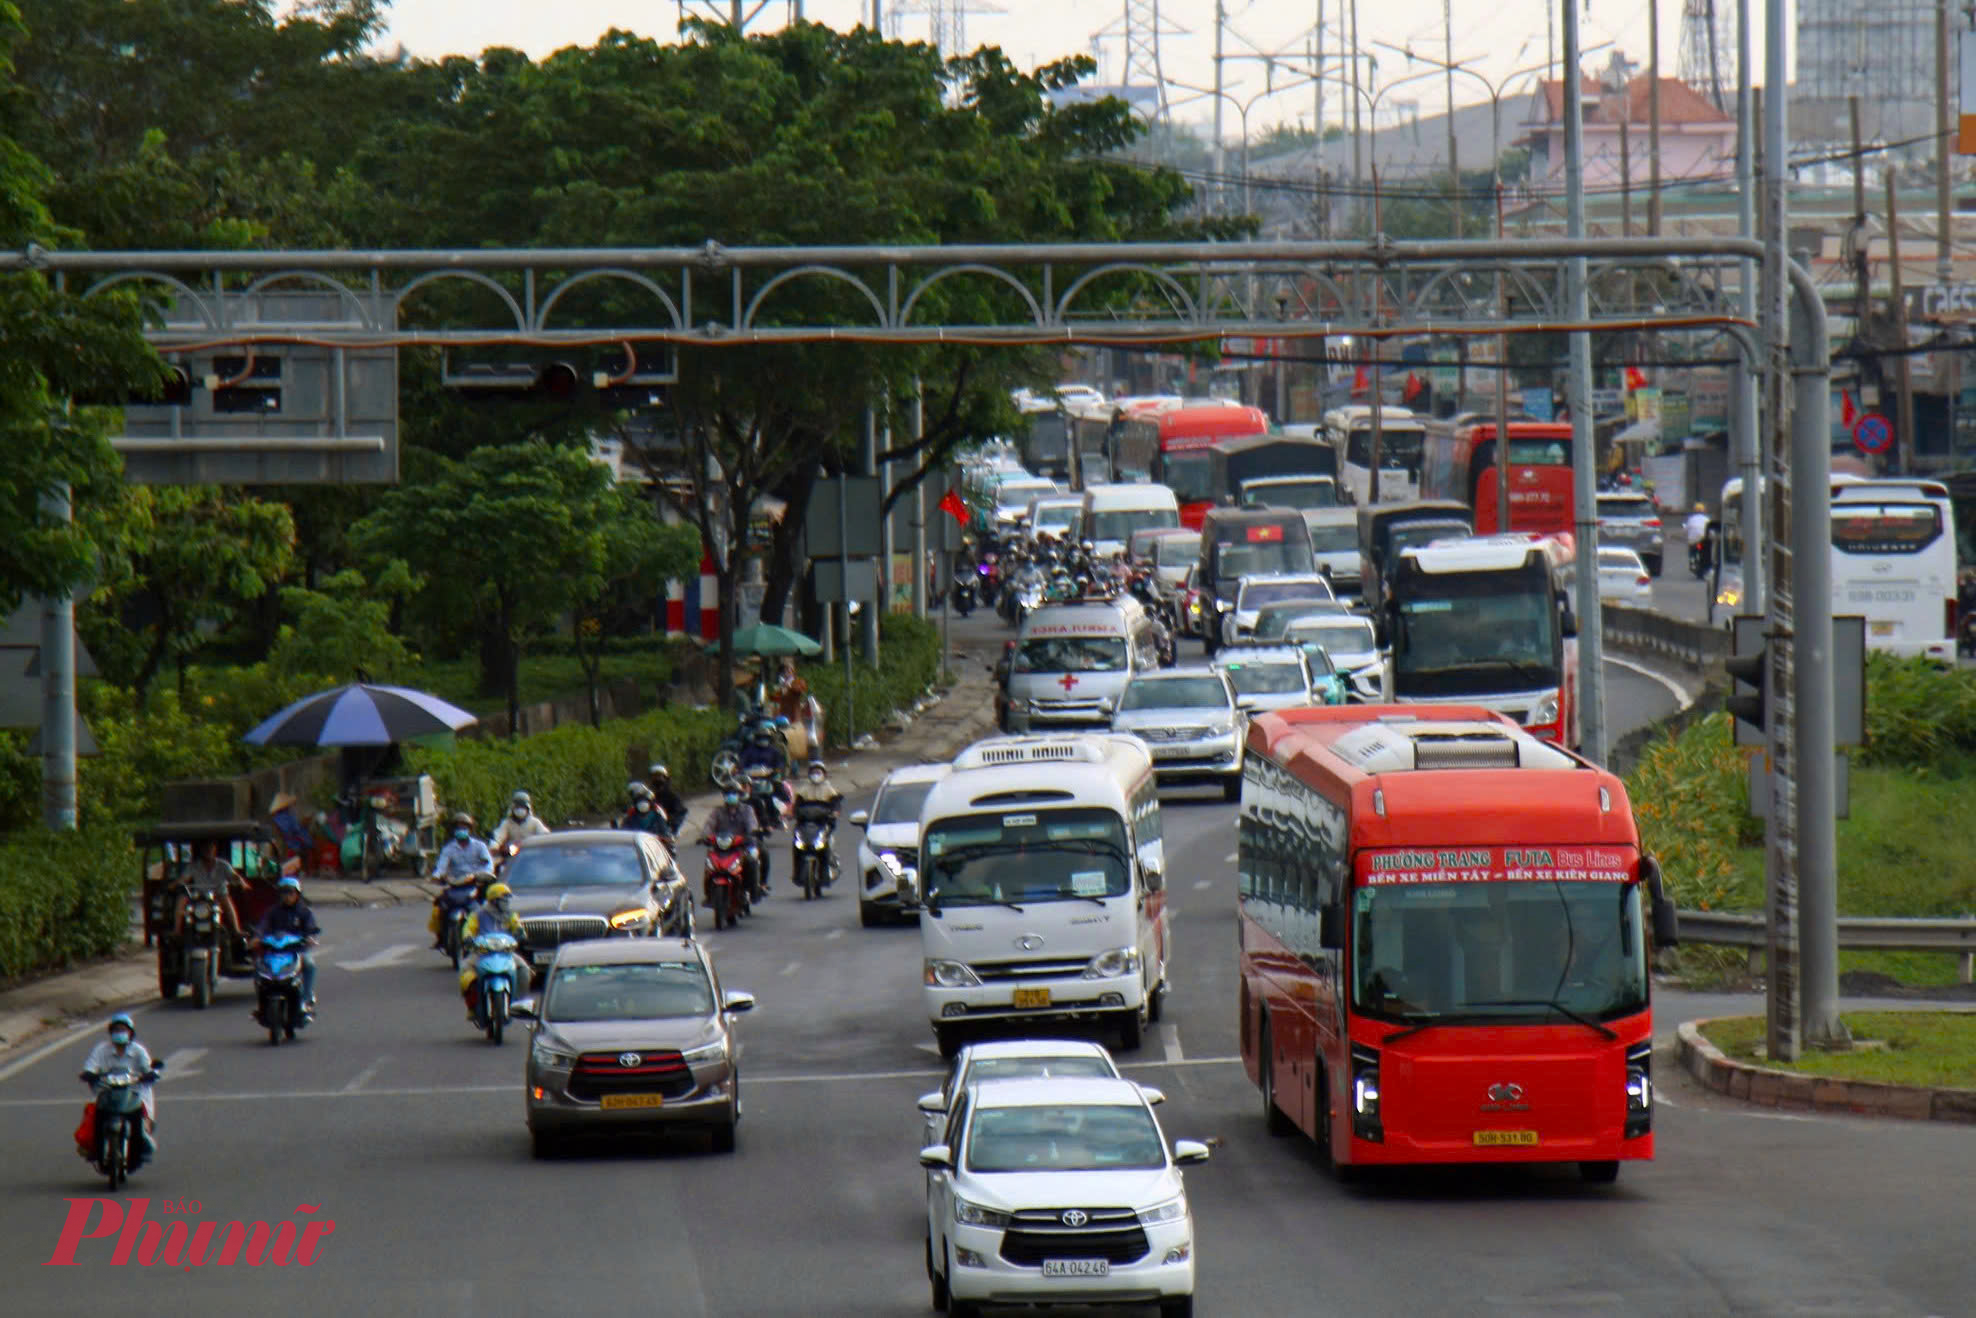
x=517 y=535
x=639 y=553
x=342 y=631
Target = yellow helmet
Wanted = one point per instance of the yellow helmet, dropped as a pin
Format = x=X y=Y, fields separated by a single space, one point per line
x=1700 y=509
x=497 y=892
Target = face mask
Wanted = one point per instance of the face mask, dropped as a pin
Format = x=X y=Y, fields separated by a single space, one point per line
x=817 y=778
x=459 y=835
x=521 y=812
x=644 y=807
x=120 y=1037
x=733 y=800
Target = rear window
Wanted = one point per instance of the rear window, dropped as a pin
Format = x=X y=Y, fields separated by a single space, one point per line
x=1623 y=507
x=1885 y=528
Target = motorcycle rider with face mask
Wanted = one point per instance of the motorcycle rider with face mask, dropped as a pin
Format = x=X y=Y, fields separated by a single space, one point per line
x=671 y=804
x=460 y=859
x=642 y=813
x=492 y=916
x=521 y=822
x=734 y=815
x=122 y=1054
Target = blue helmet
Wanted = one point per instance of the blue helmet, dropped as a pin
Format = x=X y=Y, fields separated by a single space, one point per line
x=123 y=1018
x=288 y=881
x=781 y=720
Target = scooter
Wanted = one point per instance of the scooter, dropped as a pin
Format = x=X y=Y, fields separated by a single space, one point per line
x=962 y=595
x=726 y=877
x=496 y=956
x=117 y=1147
x=814 y=861
x=456 y=902
x=194 y=955
x=278 y=986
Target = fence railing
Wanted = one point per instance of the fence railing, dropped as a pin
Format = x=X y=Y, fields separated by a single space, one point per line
x=1952 y=934
x=1693 y=645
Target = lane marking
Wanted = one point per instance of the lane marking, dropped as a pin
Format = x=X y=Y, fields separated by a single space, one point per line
x=833 y=935
x=1681 y=697
x=364 y=1076
x=1170 y=1039
x=390 y=956
x=64 y=1040
x=1188 y=1061
x=1200 y=884
x=1231 y=858
x=791 y=968
x=179 y=1062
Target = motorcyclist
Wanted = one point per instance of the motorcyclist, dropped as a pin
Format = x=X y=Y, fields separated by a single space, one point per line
x=671 y=804
x=491 y=916
x=761 y=751
x=461 y=858
x=122 y=1054
x=734 y=815
x=292 y=915
x=522 y=822
x=1697 y=524
x=206 y=873
x=641 y=811
x=816 y=788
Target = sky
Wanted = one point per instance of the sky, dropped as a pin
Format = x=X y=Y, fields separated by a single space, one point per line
x=1494 y=37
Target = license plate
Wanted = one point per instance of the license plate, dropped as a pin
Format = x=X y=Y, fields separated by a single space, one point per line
x=1032 y=997
x=1501 y=1137
x=619 y=1102
x=1076 y=1267
x=1883 y=628
x=1170 y=752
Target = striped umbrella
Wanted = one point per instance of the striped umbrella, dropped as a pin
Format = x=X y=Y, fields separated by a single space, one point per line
x=360 y=715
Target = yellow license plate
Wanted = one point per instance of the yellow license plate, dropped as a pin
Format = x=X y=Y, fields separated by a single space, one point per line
x=618 y=1102
x=1032 y=997
x=1499 y=1137
x=1883 y=628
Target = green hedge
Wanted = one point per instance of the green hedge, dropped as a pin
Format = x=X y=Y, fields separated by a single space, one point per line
x=1917 y=713
x=909 y=662
x=64 y=897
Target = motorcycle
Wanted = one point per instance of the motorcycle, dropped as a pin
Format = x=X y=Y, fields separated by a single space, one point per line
x=278 y=986
x=726 y=877
x=496 y=956
x=813 y=859
x=963 y=592
x=195 y=954
x=456 y=903
x=769 y=795
x=116 y=1147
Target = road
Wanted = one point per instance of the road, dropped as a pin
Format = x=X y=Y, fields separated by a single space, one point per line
x=399 y=1125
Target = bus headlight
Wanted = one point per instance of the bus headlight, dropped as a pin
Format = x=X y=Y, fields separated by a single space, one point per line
x=1546 y=710
x=1639 y=1090
x=1365 y=1094
x=1114 y=963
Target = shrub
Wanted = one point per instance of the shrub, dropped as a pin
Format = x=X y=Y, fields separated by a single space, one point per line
x=1917 y=713
x=66 y=898
x=1690 y=796
x=909 y=659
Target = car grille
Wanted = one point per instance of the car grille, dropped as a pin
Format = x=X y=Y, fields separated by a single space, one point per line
x=1170 y=734
x=555 y=930
x=1003 y=971
x=663 y=1072
x=1036 y=1234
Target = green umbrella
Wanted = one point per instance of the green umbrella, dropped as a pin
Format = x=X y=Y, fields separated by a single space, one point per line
x=767 y=639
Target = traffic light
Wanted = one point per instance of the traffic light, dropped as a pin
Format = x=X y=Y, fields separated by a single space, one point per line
x=554 y=381
x=172 y=389
x=1749 y=700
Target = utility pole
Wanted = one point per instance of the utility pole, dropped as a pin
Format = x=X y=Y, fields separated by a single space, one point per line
x=1502 y=352
x=1896 y=297
x=1358 y=126
x=1625 y=178
x=1219 y=158
x=1745 y=441
x=919 y=511
x=1317 y=115
x=1653 y=116
x=1861 y=292
x=1454 y=156
x=1584 y=458
x=1374 y=343
x=58 y=791
x=1944 y=261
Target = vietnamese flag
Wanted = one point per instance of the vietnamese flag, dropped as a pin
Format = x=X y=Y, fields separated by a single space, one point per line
x=1847 y=413
x=1359 y=382
x=1634 y=379
x=954 y=506
x=1413 y=387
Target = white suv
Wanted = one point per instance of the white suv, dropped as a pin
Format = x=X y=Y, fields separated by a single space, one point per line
x=1058 y=1191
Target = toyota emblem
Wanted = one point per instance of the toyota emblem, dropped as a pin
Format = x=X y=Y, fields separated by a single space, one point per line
x=629 y=1059
x=1029 y=942
x=1075 y=1217
x=1506 y=1093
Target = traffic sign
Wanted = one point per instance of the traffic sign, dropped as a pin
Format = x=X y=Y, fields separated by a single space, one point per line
x=1873 y=434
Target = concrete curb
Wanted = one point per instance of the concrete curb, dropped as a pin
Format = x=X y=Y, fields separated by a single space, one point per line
x=1789 y=1090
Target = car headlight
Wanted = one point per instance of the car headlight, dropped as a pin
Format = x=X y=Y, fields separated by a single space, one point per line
x=547 y=1053
x=1173 y=1210
x=1113 y=963
x=1729 y=597
x=972 y=1214
x=637 y=918
x=1546 y=711
x=949 y=974
x=706 y=1052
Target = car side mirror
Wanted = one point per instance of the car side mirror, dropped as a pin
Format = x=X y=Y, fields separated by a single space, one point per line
x=1188 y=1152
x=936 y=1157
x=1331 y=929
x=736 y=1003
x=860 y=818
x=1153 y=1096
x=1153 y=869
x=523 y=1009
x=933 y=1104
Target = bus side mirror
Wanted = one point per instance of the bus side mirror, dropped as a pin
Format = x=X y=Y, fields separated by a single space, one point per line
x=1667 y=925
x=1331 y=929
x=1567 y=616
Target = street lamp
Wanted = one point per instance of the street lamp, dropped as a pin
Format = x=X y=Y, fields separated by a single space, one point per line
x=1242 y=109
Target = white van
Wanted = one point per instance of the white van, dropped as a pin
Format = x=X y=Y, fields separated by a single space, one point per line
x=1113 y=512
x=1071 y=660
x=1334 y=546
x=1042 y=887
x=1055 y=513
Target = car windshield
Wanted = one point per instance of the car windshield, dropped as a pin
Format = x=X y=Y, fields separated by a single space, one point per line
x=1345 y=636
x=1119 y=524
x=1296 y=494
x=1274 y=621
x=575 y=866
x=1079 y=1065
x=1334 y=539
x=1055 y=518
x=1258 y=559
x=1171 y=549
x=1022 y=857
x=1476 y=629
x=1625 y=508
x=1070 y=654
x=1190 y=476
x=900 y=803
x=1175 y=693
x=1498 y=951
x=1258 y=593
x=652 y=991
x=1015 y=496
x=1064 y=1137
x=1265 y=679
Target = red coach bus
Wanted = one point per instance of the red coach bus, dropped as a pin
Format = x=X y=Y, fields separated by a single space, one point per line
x=1444 y=941
x=1458 y=461
x=1184 y=462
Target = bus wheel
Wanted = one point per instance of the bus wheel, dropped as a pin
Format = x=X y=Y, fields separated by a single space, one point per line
x=1274 y=1119
x=1599 y=1173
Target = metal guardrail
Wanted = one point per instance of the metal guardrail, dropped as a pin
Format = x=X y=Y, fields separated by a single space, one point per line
x=1955 y=934
x=1693 y=645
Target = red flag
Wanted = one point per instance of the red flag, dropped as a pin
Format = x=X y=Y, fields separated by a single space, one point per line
x=954 y=506
x=1359 y=383
x=1635 y=380
x=1847 y=414
x=1413 y=388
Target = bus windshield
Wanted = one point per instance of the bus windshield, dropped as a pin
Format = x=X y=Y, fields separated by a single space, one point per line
x=1121 y=523
x=1025 y=857
x=1300 y=495
x=1334 y=539
x=1462 y=633
x=1496 y=952
x=1190 y=476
